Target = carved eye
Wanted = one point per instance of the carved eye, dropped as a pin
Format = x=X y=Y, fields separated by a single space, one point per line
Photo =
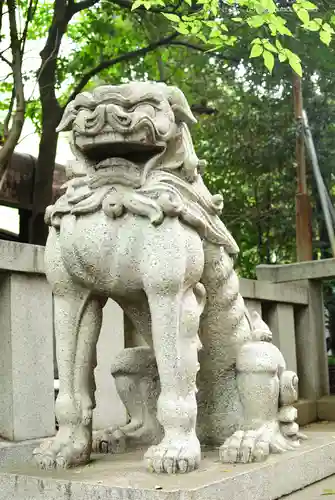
x=145 y=109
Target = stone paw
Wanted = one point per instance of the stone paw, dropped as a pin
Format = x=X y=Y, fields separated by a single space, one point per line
x=244 y=447
x=174 y=456
x=109 y=441
x=256 y=446
x=69 y=448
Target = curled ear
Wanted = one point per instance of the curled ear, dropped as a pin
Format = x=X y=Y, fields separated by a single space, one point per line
x=85 y=100
x=67 y=119
x=180 y=106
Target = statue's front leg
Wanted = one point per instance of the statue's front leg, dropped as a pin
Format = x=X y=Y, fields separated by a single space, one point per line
x=77 y=316
x=175 y=321
x=267 y=392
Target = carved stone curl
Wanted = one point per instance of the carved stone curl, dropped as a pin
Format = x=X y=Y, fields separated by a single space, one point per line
x=137 y=224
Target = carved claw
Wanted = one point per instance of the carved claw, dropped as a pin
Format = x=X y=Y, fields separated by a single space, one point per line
x=256 y=445
x=109 y=441
x=171 y=457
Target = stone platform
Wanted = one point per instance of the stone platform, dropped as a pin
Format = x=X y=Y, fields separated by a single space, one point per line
x=123 y=477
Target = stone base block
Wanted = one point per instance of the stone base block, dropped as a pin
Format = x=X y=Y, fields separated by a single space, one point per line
x=16 y=453
x=326 y=408
x=122 y=477
x=307 y=412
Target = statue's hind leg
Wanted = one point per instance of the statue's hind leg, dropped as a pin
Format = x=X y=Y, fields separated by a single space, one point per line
x=136 y=378
x=77 y=316
x=267 y=392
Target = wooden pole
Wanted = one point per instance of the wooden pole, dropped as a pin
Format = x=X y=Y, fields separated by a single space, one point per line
x=303 y=207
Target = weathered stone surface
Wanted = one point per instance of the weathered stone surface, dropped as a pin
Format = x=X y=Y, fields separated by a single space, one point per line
x=325 y=407
x=124 y=477
x=281 y=322
x=20 y=257
x=291 y=293
x=26 y=353
x=307 y=411
x=137 y=224
x=14 y=454
x=313 y=270
x=309 y=322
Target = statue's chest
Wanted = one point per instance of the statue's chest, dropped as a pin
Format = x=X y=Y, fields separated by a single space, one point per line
x=102 y=252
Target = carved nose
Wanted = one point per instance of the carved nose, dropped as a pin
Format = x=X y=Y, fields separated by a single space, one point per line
x=122 y=117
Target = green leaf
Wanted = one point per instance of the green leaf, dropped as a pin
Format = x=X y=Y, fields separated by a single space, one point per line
x=308 y=5
x=269 y=60
x=172 y=17
x=325 y=37
x=303 y=15
x=256 y=51
x=231 y=41
x=268 y=45
x=189 y=2
x=327 y=27
x=237 y=19
x=279 y=45
x=256 y=21
x=312 y=26
x=182 y=29
x=215 y=33
x=282 y=56
x=210 y=24
x=294 y=62
x=278 y=23
x=269 y=5
x=202 y=37
x=195 y=29
x=216 y=41
x=137 y=4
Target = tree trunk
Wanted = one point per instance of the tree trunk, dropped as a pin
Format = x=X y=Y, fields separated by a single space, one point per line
x=51 y=115
x=44 y=177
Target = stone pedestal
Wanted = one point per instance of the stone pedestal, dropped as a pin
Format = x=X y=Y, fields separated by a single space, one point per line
x=120 y=477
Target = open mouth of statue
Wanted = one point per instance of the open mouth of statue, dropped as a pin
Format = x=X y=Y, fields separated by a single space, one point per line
x=136 y=153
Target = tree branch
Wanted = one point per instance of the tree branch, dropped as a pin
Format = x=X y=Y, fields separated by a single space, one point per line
x=30 y=15
x=18 y=120
x=116 y=60
x=7 y=61
x=84 y=4
x=9 y=115
x=1 y=14
x=204 y=50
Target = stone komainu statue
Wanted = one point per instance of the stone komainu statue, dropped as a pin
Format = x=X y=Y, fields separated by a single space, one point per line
x=137 y=224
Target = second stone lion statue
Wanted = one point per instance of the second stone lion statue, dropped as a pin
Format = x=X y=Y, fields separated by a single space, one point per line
x=138 y=225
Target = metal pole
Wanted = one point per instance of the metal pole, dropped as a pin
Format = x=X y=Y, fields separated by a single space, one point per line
x=319 y=182
x=303 y=207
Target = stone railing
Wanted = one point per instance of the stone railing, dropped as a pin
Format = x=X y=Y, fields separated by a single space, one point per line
x=27 y=349
x=312 y=359
x=292 y=310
